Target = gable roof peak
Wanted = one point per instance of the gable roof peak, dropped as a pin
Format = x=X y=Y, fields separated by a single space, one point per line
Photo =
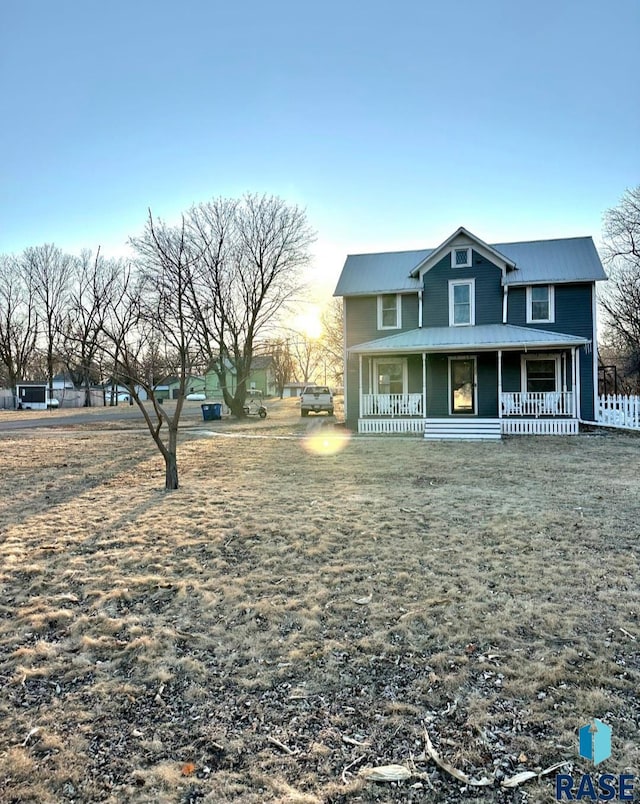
x=439 y=252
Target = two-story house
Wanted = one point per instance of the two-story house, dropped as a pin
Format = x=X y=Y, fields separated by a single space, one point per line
x=470 y=339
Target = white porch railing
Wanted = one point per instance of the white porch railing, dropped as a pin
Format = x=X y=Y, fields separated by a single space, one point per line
x=391 y=405
x=617 y=410
x=538 y=403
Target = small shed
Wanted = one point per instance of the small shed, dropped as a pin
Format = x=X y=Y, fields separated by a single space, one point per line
x=32 y=395
x=294 y=389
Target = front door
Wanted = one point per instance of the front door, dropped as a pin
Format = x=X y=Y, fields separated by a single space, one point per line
x=462 y=383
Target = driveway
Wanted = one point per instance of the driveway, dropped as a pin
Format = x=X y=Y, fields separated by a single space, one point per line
x=25 y=420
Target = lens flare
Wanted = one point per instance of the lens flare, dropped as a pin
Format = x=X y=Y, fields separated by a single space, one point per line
x=325 y=440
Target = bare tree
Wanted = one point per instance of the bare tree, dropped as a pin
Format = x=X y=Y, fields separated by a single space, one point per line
x=280 y=351
x=94 y=280
x=140 y=320
x=307 y=356
x=158 y=317
x=48 y=272
x=18 y=324
x=250 y=254
x=332 y=340
x=620 y=299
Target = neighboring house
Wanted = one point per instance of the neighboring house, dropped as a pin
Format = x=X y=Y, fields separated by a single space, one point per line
x=169 y=387
x=121 y=391
x=261 y=378
x=213 y=389
x=63 y=382
x=470 y=339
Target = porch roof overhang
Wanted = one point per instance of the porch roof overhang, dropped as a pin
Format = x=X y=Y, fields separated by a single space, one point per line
x=484 y=337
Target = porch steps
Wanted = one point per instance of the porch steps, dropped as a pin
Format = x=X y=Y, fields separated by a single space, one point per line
x=467 y=429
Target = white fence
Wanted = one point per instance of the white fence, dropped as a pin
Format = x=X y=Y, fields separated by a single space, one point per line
x=616 y=410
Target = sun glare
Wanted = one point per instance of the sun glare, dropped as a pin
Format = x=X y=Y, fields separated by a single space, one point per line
x=325 y=441
x=309 y=323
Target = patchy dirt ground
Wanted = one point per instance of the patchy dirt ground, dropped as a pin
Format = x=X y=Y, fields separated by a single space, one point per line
x=287 y=619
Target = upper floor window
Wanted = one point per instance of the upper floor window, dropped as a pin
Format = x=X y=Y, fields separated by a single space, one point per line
x=389 y=311
x=462 y=303
x=540 y=306
x=461 y=258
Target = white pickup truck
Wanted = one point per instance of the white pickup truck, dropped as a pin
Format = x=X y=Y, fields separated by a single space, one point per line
x=316 y=398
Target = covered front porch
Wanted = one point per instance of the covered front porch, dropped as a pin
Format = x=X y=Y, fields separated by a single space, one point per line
x=469 y=387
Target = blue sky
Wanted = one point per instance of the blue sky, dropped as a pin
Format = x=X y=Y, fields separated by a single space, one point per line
x=392 y=122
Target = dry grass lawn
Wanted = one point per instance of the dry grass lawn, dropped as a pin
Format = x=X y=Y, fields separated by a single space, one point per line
x=286 y=619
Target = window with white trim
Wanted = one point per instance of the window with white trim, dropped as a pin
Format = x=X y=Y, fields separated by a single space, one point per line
x=540 y=373
x=389 y=311
x=462 y=303
x=461 y=257
x=390 y=375
x=540 y=304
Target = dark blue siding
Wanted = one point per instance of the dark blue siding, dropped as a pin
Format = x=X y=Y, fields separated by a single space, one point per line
x=511 y=373
x=488 y=302
x=414 y=370
x=488 y=384
x=572 y=310
x=361 y=316
x=437 y=386
x=351 y=391
x=573 y=316
x=586 y=385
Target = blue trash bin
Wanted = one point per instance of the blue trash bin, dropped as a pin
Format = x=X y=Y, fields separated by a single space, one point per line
x=217 y=412
x=207 y=412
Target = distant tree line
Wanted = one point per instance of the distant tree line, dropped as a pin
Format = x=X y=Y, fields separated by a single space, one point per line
x=620 y=296
x=206 y=293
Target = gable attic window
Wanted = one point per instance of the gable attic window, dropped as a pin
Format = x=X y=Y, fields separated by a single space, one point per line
x=389 y=316
x=540 y=306
x=461 y=258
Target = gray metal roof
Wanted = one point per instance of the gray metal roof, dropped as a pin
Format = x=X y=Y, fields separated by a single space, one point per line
x=482 y=337
x=572 y=259
x=380 y=273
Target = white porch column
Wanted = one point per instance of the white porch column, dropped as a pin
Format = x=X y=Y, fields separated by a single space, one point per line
x=577 y=393
x=359 y=386
x=424 y=385
x=499 y=383
x=573 y=378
